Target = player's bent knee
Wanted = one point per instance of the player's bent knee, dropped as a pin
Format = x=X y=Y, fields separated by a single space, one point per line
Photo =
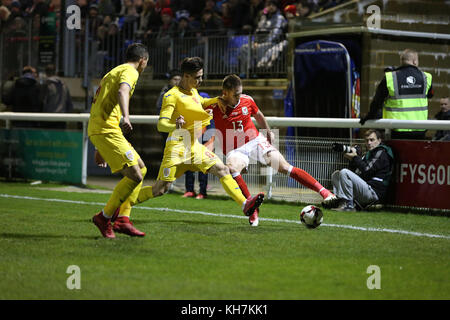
x=335 y=174
x=220 y=170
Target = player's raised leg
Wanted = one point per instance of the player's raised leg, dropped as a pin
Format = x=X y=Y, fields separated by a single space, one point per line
x=232 y=189
x=276 y=160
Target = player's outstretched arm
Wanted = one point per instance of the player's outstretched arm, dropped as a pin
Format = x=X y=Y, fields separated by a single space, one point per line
x=263 y=124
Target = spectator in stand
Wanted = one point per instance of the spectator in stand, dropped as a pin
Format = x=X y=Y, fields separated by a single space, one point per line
x=227 y=19
x=211 y=25
x=444 y=114
x=106 y=8
x=162 y=4
x=128 y=9
x=184 y=29
x=55 y=97
x=111 y=42
x=25 y=96
x=167 y=29
x=239 y=10
x=211 y=5
x=117 y=5
x=255 y=12
x=304 y=8
x=5 y=18
x=195 y=7
x=268 y=42
x=139 y=5
x=102 y=30
x=290 y=11
x=95 y=21
x=17 y=27
x=16 y=10
x=55 y=6
x=147 y=19
x=129 y=18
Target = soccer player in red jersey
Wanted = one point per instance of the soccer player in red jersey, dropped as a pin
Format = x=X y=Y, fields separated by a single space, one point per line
x=242 y=141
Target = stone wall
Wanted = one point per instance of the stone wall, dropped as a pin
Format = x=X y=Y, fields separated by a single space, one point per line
x=381 y=51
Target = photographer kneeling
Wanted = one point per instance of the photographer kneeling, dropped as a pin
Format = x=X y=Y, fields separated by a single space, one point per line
x=368 y=178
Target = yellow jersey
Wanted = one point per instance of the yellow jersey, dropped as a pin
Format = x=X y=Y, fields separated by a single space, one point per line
x=190 y=105
x=105 y=111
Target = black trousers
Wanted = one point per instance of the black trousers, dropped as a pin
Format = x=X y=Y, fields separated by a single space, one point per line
x=190 y=180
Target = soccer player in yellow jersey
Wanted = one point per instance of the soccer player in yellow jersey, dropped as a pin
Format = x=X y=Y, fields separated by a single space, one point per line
x=183 y=117
x=110 y=104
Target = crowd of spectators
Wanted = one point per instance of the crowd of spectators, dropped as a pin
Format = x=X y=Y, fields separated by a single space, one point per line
x=114 y=23
x=168 y=17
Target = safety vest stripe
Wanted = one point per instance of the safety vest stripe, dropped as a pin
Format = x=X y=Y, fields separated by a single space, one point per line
x=411 y=96
x=403 y=109
x=395 y=83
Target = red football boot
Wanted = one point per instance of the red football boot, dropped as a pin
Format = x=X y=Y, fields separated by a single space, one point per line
x=253 y=203
x=254 y=218
x=189 y=194
x=104 y=225
x=124 y=225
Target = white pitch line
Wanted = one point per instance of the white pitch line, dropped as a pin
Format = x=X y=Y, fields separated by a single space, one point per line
x=343 y=226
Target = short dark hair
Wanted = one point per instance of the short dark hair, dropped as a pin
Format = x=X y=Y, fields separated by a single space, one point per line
x=231 y=81
x=50 y=70
x=173 y=73
x=191 y=65
x=135 y=52
x=378 y=133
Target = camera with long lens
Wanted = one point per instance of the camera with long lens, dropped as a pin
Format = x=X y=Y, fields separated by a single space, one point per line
x=339 y=147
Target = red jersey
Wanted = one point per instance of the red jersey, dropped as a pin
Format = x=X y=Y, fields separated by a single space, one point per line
x=236 y=125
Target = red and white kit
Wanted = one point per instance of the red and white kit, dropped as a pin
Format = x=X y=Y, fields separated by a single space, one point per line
x=239 y=135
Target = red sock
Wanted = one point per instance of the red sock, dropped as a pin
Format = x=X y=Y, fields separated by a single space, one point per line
x=241 y=183
x=306 y=179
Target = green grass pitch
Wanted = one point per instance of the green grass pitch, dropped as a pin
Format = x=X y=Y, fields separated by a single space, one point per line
x=205 y=249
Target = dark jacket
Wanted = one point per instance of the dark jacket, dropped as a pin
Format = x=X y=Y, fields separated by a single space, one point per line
x=25 y=96
x=442 y=135
x=56 y=96
x=375 y=167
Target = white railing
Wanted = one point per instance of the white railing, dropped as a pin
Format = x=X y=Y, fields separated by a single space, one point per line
x=273 y=122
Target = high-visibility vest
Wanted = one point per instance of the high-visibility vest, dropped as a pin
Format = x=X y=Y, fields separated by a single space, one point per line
x=408 y=89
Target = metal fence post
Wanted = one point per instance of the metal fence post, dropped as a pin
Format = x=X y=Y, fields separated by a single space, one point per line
x=249 y=56
x=84 y=154
x=206 y=58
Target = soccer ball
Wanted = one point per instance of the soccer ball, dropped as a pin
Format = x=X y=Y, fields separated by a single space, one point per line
x=311 y=216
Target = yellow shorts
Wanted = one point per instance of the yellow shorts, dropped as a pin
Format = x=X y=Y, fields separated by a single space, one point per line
x=179 y=158
x=115 y=150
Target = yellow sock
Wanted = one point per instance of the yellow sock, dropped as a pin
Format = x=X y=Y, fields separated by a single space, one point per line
x=232 y=188
x=121 y=192
x=145 y=194
x=125 y=208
